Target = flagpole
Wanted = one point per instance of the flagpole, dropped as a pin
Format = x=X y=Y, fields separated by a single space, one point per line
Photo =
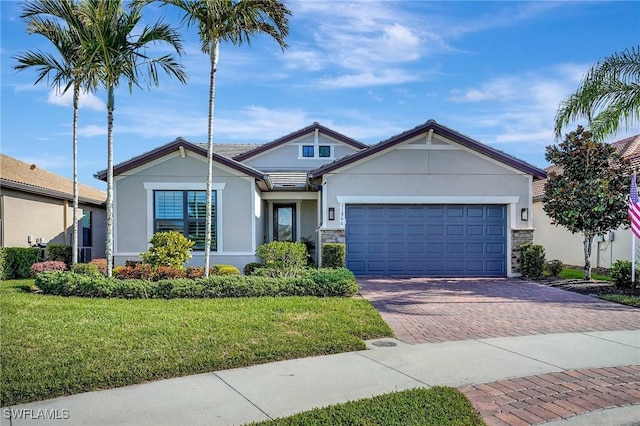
x=633 y=258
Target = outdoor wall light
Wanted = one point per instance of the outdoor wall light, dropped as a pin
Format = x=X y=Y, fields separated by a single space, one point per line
x=524 y=214
x=332 y=213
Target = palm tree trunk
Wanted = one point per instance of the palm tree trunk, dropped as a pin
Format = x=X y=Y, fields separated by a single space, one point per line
x=214 y=51
x=109 y=236
x=74 y=241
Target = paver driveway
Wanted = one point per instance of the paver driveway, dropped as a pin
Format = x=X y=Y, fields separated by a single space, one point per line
x=423 y=310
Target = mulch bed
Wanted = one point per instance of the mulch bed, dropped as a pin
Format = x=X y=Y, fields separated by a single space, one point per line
x=589 y=287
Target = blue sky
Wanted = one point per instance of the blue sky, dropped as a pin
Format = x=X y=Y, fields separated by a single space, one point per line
x=495 y=71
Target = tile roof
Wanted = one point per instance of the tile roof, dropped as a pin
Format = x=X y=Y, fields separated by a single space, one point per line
x=628 y=148
x=27 y=177
x=231 y=150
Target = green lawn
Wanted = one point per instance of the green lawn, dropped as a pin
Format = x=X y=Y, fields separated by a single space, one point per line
x=578 y=274
x=437 y=406
x=624 y=299
x=53 y=346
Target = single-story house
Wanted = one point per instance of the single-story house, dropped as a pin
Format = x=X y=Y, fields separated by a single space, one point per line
x=560 y=244
x=36 y=206
x=427 y=202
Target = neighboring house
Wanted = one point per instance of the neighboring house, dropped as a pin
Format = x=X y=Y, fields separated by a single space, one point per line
x=36 y=206
x=560 y=244
x=427 y=202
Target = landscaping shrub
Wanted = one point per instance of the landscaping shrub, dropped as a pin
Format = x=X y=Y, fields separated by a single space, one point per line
x=61 y=252
x=250 y=267
x=138 y=271
x=283 y=255
x=86 y=269
x=227 y=270
x=18 y=261
x=169 y=248
x=101 y=264
x=48 y=265
x=3 y=260
x=321 y=282
x=621 y=274
x=333 y=255
x=195 y=272
x=532 y=260
x=554 y=267
x=166 y=273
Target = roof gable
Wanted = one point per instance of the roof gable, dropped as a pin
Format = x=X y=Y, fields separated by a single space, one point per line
x=298 y=134
x=172 y=147
x=432 y=126
x=27 y=177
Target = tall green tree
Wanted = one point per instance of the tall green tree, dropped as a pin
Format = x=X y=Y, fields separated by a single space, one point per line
x=608 y=96
x=236 y=22
x=117 y=50
x=589 y=194
x=59 y=22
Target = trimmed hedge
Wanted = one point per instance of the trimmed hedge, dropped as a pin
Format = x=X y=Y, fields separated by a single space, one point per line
x=333 y=255
x=3 y=262
x=319 y=282
x=18 y=261
x=59 y=252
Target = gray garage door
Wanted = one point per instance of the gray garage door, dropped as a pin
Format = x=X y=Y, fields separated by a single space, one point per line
x=426 y=240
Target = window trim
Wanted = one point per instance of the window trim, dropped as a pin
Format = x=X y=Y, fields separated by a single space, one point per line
x=320 y=151
x=305 y=148
x=187 y=186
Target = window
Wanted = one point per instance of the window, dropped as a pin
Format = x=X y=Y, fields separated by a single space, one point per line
x=307 y=151
x=86 y=229
x=324 y=151
x=185 y=212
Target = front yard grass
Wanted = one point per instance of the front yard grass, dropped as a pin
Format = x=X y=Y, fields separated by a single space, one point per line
x=53 y=346
x=623 y=299
x=437 y=406
x=578 y=274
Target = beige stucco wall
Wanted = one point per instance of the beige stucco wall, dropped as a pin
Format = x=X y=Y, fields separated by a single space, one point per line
x=561 y=244
x=236 y=207
x=288 y=156
x=46 y=218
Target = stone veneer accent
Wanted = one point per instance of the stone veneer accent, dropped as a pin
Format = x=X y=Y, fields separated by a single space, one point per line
x=518 y=238
x=332 y=236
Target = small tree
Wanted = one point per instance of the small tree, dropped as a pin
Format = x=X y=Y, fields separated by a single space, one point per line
x=169 y=248
x=590 y=193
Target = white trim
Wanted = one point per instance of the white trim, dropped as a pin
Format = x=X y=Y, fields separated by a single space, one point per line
x=401 y=199
x=325 y=205
x=530 y=183
x=288 y=196
x=254 y=216
x=150 y=208
x=182 y=186
x=114 y=221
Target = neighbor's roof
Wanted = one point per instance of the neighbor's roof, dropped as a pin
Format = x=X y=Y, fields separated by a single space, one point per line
x=628 y=148
x=297 y=134
x=442 y=131
x=231 y=150
x=18 y=175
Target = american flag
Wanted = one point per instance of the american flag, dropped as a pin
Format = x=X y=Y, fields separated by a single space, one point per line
x=634 y=208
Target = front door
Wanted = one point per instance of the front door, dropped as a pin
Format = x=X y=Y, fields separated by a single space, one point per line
x=284 y=222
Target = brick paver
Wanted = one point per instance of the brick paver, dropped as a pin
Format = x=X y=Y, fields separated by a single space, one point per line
x=421 y=310
x=560 y=395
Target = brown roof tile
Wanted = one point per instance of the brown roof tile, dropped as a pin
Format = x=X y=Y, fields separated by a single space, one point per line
x=29 y=177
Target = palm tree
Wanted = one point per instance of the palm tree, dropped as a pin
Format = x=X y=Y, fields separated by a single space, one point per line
x=117 y=50
x=236 y=22
x=59 y=22
x=609 y=95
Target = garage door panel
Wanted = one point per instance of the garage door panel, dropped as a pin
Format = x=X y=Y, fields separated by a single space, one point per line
x=426 y=240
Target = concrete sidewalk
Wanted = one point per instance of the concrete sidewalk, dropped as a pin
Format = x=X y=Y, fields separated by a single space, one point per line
x=282 y=388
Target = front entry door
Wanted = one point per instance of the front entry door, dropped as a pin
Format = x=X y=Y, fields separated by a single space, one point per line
x=284 y=222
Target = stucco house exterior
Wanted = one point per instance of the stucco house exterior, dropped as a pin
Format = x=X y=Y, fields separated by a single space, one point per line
x=427 y=202
x=560 y=244
x=37 y=206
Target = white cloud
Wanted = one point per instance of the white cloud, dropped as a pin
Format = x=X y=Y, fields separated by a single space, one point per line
x=91 y=131
x=369 y=78
x=87 y=99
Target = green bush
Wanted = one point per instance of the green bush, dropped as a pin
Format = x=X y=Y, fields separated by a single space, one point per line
x=621 y=274
x=86 y=269
x=554 y=267
x=18 y=261
x=532 y=260
x=169 y=248
x=333 y=255
x=3 y=261
x=250 y=267
x=59 y=252
x=321 y=283
x=226 y=270
x=284 y=256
